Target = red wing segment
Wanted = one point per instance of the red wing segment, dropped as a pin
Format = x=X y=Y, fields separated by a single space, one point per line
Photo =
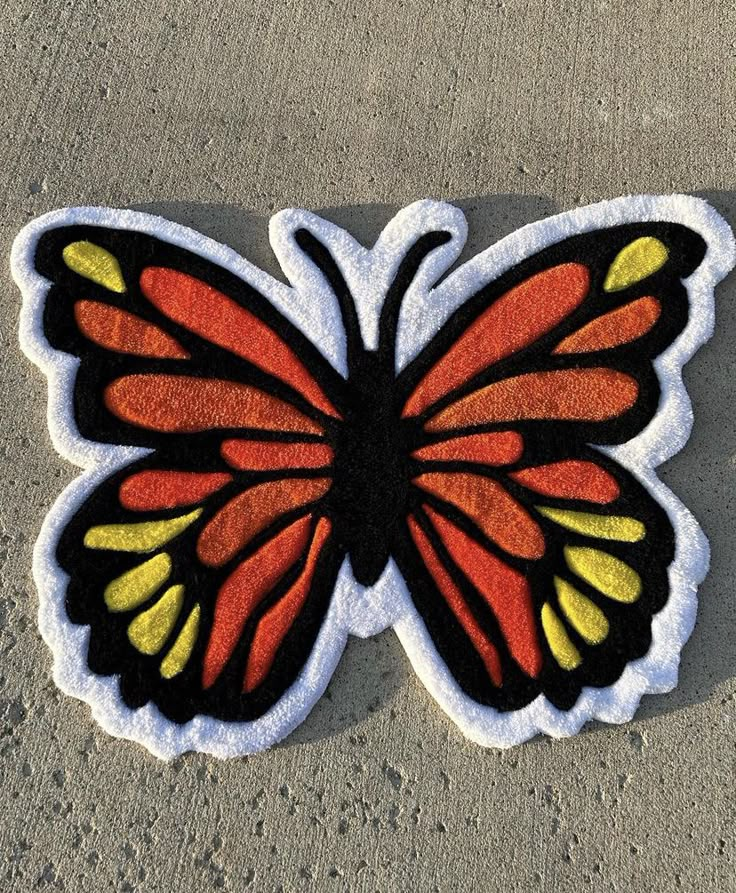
x=124 y=332
x=183 y=404
x=590 y=395
x=613 y=329
x=496 y=448
x=491 y=507
x=250 y=512
x=148 y=491
x=457 y=604
x=245 y=588
x=214 y=316
x=570 y=479
x=265 y=455
x=278 y=620
x=514 y=321
x=505 y=590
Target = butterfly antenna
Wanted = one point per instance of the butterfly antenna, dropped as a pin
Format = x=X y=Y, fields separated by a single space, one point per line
x=321 y=257
x=402 y=280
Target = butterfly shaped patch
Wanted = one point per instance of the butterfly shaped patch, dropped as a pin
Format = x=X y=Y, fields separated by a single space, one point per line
x=385 y=438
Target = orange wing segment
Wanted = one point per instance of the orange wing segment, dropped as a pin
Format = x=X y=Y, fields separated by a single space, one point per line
x=152 y=490
x=595 y=394
x=250 y=512
x=613 y=329
x=265 y=455
x=514 y=321
x=124 y=332
x=214 y=316
x=495 y=448
x=505 y=590
x=245 y=588
x=491 y=507
x=570 y=479
x=457 y=604
x=183 y=404
x=278 y=620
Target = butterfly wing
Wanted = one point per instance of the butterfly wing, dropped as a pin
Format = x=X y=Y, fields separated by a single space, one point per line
x=205 y=568
x=553 y=581
x=536 y=563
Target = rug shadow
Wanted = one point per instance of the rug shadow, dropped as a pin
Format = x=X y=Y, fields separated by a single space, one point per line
x=703 y=475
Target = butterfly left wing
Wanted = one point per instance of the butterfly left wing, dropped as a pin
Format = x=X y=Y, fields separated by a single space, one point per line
x=204 y=583
x=205 y=568
x=537 y=563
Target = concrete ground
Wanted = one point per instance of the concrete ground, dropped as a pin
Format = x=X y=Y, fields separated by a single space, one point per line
x=217 y=114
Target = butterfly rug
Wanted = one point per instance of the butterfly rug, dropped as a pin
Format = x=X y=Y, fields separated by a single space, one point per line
x=384 y=438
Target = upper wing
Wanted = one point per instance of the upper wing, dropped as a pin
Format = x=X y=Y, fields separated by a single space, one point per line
x=536 y=562
x=205 y=569
x=170 y=343
x=566 y=338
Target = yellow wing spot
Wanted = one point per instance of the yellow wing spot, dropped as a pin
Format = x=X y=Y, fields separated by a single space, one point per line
x=586 y=618
x=95 y=263
x=138 y=584
x=604 y=527
x=635 y=262
x=144 y=536
x=563 y=650
x=152 y=628
x=180 y=652
x=606 y=573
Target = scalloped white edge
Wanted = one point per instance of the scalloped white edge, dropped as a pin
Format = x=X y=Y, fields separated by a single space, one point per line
x=309 y=303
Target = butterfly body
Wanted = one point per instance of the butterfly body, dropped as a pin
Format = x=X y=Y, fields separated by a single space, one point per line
x=374 y=445
x=371 y=478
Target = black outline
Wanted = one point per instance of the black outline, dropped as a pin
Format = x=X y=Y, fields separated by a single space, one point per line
x=371 y=495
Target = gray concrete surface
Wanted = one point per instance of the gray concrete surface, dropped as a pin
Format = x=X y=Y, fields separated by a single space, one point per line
x=216 y=114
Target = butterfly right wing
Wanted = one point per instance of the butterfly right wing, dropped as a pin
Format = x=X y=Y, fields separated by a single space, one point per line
x=537 y=563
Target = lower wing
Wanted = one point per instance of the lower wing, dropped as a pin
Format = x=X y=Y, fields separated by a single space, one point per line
x=204 y=585
x=537 y=578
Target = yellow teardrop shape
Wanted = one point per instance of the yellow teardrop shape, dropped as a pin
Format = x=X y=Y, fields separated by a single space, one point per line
x=138 y=584
x=180 y=652
x=604 y=572
x=635 y=262
x=96 y=264
x=144 y=536
x=152 y=628
x=604 y=527
x=562 y=648
x=586 y=618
